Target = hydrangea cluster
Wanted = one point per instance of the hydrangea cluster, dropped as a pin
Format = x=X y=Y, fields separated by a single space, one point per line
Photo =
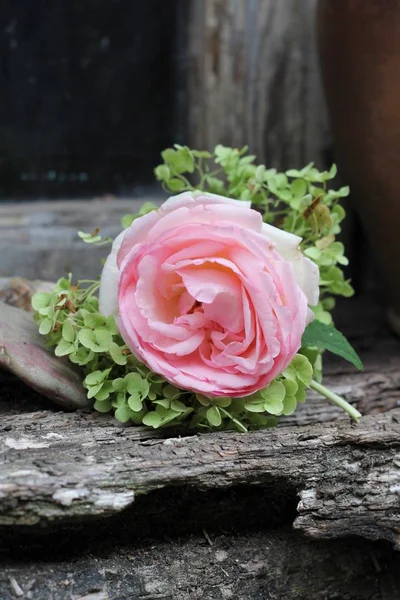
x=205 y=318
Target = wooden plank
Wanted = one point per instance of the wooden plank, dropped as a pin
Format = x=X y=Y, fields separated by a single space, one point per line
x=254 y=79
x=40 y=241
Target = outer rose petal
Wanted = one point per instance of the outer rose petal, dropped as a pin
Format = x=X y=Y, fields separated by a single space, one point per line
x=306 y=272
x=189 y=199
x=108 y=295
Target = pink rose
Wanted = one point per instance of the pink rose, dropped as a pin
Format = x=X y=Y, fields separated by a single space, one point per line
x=209 y=296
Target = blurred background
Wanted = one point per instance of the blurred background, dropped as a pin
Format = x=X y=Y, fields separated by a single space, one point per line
x=94 y=90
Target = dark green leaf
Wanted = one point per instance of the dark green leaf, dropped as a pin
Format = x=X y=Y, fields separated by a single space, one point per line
x=327 y=337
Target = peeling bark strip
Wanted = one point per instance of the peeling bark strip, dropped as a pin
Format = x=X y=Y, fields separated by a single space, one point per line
x=63 y=468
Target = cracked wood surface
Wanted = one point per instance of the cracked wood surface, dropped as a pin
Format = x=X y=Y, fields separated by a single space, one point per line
x=61 y=468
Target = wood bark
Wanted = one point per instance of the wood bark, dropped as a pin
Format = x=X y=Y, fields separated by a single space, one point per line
x=254 y=79
x=61 y=468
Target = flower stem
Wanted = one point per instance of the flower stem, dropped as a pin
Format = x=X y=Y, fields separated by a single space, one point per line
x=337 y=400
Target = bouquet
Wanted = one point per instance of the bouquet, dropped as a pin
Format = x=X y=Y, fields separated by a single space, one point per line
x=213 y=310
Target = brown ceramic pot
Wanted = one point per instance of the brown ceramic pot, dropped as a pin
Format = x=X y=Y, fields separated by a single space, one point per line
x=359 y=46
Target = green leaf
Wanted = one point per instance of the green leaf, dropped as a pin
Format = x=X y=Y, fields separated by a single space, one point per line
x=127 y=221
x=223 y=401
x=291 y=387
x=64 y=348
x=123 y=414
x=68 y=332
x=103 y=339
x=163 y=402
x=105 y=391
x=299 y=369
x=64 y=283
x=260 y=173
x=137 y=385
x=294 y=173
x=185 y=159
x=338 y=213
x=89 y=238
x=146 y=208
x=289 y=405
x=298 y=188
x=82 y=356
x=95 y=377
x=201 y=154
x=94 y=320
x=313 y=253
x=92 y=391
x=170 y=391
x=86 y=338
x=98 y=340
x=135 y=403
x=41 y=300
x=255 y=407
x=214 y=416
x=301 y=395
x=46 y=311
x=216 y=186
x=116 y=354
x=204 y=401
x=275 y=392
x=321 y=314
x=328 y=303
x=327 y=337
x=103 y=406
x=162 y=173
x=333 y=279
x=332 y=171
x=111 y=325
x=178 y=406
x=176 y=185
x=119 y=399
x=45 y=326
x=178 y=160
x=152 y=419
x=119 y=384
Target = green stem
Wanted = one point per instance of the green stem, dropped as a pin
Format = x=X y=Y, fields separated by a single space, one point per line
x=336 y=400
x=185 y=181
x=202 y=175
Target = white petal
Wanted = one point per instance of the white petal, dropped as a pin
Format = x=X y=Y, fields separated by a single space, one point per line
x=197 y=197
x=223 y=199
x=307 y=277
x=108 y=293
x=310 y=316
x=287 y=244
x=306 y=271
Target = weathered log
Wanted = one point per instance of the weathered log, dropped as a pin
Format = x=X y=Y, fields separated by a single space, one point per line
x=60 y=468
x=166 y=541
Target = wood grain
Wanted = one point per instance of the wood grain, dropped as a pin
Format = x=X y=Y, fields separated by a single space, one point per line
x=254 y=79
x=63 y=468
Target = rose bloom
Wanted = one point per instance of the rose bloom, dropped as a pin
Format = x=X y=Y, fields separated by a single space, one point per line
x=209 y=296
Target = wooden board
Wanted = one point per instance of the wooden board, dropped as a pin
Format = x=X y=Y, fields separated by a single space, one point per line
x=254 y=79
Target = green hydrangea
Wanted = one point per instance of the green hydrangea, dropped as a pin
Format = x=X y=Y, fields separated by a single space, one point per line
x=298 y=201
